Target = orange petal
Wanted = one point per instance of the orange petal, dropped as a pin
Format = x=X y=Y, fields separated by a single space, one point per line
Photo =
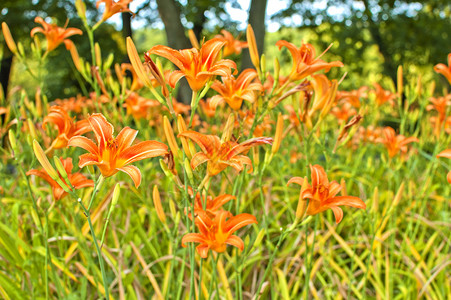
x=125 y=138
x=198 y=159
x=143 y=150
x=102 y=129
x=338 y=213
x=297 y=180
x=202 y=249
x=208 y=143
x=133 y=172
x=85 y=143
x=88 y=159
x=194 y=238
x=344 y=200
x=448 y=177
x=446 y=153
x=235 y=241
x=238 y=221
x=219 y=201
x=247 y=145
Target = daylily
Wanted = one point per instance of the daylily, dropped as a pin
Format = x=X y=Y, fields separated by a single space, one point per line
x=395 y=143
x=67 y=128
x=115 y=154
x=440 y=104
x=444 y=70
x=112 y=7
x=207 y=107
x=219 y=155
x=55 y=35
x=74 y=104
x=322 y=194
x=198 y=66
x=446 y=153
x=138 y=106
x=344 y=111
x=324 y=93
x=235 y=90
x=382 y=95
x=77 y=180
x=232 y=45
x=216 y=233
x=352 y=97
x=304 y=61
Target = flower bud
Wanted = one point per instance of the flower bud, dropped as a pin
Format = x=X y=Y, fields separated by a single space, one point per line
x=8 y=38
x=157 y=203
x=169 y=133
x=59 y=166
x=44 y=161
x=228 y=129
x=193 y=39
x=278 y=136
x=253 y=51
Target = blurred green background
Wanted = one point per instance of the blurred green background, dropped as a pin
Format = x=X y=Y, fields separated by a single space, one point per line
x=370 y=37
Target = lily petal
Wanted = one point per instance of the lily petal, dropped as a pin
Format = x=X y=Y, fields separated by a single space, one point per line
x=133 y=172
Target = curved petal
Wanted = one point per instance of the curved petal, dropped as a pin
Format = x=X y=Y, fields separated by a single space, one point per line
x=247 y=145
x=125 y=138
x=238 y=221
x=174 y=77
x=216 y=100
x=85 y=143
x=297 y=180
x=194 y=238
x=338 y=213
x=88 y=159
x=445 y=153
x=344 y=200
x=448 y=177
x=235 y=241
x=102 y=129
x=141 y=151
x=208 y=143
x=82 y=127
x=198 y=159
x=133 y=172
x=79 y=181
x=219 y=201
x=334 y=188
x=202 y=249
x=239 y=161
x=173 y=55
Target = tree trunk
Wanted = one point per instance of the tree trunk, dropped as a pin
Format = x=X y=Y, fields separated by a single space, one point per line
x=257 y=16
x=126 y=30
x=389 y=67
x=5 y=72
x=175 y=34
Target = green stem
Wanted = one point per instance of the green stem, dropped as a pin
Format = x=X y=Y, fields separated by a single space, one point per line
x=99 y=253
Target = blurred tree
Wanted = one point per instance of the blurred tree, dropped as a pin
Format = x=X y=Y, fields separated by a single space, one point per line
x=60 y=82
x=405 y=32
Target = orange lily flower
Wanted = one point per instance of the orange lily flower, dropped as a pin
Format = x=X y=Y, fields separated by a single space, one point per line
x=353 y=97
x=112 y=8
x=395 y=143
x=304 y=61
x=115 y=154
x=198 y=66
x=138 y=106
x=207 y=107
x=77 y=180
x=323 y=92
x=235 y=90
x=440 y=104
x=55 y=35
x=219 y=155
x=446 y=153
x=444 y=70
x=74 y=104
x=216 y=233
x=382 y=95
x=343 y=112
x=232 y=45
x=67 y=128
x=322 y=194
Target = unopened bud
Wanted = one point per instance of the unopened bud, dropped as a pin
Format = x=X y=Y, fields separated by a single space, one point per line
x=9 y=38
x=193 y=39
x=157 y=204
x=228 y=129
x=44 y=161
x=59 y=166
x=169 y=133
x=278 y=136
x=253 y=51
